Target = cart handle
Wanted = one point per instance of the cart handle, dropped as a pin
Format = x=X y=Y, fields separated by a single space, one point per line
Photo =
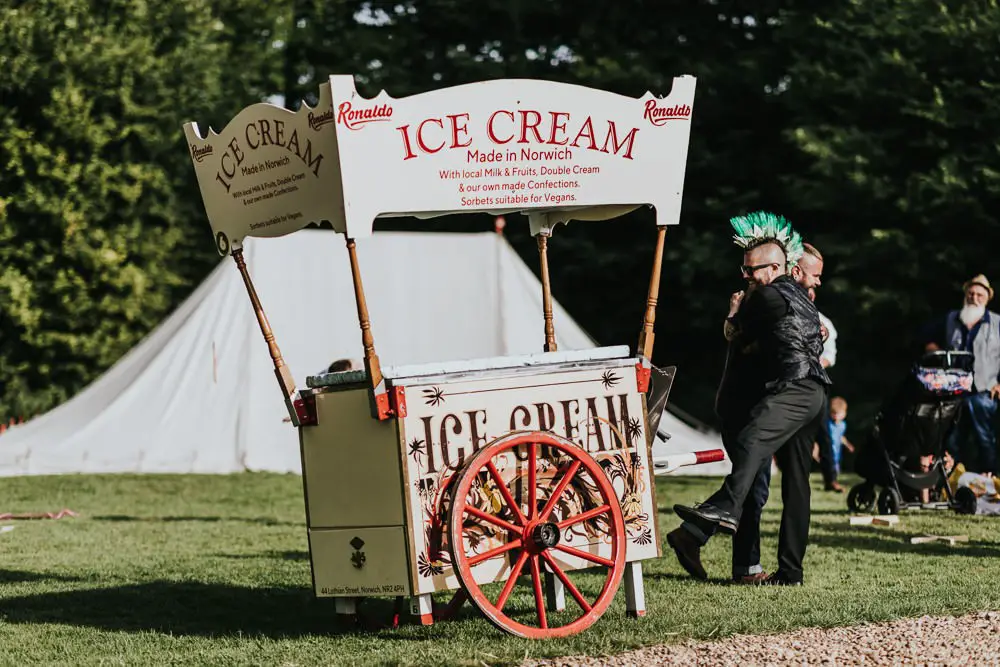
x=675 y=461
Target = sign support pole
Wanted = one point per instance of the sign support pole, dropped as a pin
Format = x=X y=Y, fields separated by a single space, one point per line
x=281 y=371
x=372 y=366
x=646 y=336
x=550 y=332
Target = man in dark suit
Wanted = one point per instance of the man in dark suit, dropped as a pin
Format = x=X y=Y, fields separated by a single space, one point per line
x=777 y=321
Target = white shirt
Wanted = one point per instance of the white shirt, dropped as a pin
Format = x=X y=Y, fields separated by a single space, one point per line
x=830 y=346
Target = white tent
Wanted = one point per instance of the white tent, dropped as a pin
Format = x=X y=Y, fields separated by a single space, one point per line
x=198 y=395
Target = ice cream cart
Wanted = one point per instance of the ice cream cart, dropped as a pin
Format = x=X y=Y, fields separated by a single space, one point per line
x=513 y=482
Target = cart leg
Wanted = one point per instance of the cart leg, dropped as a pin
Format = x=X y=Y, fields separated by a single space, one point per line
x=422 y=609
x=555 y=593
x=635 y=595
x=346 y=607
x=451 y=609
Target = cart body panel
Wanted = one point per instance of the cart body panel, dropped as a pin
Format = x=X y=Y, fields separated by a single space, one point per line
x=447 y=421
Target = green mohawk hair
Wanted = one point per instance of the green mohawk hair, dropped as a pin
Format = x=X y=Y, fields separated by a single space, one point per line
x=761 y=227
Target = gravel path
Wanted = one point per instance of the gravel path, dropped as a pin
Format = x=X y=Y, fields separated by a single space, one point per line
x=965 y=640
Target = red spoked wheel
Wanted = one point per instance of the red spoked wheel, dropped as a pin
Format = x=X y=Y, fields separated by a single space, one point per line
x=527 y=496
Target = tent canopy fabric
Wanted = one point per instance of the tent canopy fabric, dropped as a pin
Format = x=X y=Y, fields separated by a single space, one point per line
x=198 y=395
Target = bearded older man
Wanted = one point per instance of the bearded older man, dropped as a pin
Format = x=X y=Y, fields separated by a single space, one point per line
x=975 y=328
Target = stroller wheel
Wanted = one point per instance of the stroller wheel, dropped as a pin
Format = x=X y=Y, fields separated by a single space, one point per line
x=966 y=501
x=889 y=501
x=861 y=498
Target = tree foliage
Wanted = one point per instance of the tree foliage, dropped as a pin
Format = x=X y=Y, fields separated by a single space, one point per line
x=894 y=107
x=95 y=192
x=867 y=124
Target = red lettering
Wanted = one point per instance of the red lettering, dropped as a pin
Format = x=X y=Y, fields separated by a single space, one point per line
x=613 y=138
x=456 y=128
x=355 y=119
x=489 y=127
x=660 y=115
x=586 y=131
x=533 y=126
x=342 y=113
x=557 y=127
x=420 y=135
x=405 y=131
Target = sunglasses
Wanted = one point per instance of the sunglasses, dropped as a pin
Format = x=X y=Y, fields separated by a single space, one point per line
x=749 y=270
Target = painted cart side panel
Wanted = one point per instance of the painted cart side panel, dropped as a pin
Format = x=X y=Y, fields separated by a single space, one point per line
x=599 y=408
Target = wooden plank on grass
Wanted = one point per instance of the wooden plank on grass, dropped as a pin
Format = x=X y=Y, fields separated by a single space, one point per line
x=950 y=539
x=889 y=520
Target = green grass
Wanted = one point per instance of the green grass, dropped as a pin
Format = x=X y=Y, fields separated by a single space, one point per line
x=215 y=570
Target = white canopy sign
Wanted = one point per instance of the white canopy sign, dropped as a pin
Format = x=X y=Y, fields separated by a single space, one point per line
x=552 y=150
x=510 y=145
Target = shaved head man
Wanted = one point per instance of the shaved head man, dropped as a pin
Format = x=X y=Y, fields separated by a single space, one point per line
x=772 y=395
x=761 y=265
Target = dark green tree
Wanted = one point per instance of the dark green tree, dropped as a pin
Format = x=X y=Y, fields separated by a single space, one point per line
x=895 y=109
x=97 y=200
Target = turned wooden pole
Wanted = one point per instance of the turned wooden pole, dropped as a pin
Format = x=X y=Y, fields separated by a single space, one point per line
x=280 y=369
x=367 y=340
x=646 y=336
x=550 y=331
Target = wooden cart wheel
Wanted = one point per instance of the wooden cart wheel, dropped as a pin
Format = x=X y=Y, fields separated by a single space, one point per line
x=531 y=530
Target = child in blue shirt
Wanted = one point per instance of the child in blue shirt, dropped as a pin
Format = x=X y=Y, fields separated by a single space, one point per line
x=835 y=427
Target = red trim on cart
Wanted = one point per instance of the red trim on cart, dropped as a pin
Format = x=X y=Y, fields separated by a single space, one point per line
x=305 y=409
x=642 y=376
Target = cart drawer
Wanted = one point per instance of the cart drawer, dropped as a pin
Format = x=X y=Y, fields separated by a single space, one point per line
x=349 y=562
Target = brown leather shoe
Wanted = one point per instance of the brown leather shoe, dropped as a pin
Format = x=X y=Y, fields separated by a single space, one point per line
x=688 y=552
x=751 y=579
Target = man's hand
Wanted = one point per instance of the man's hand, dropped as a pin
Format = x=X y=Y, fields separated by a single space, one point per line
x=824 y=332
x=729 y=330
x=995 y=391
x=734 y=302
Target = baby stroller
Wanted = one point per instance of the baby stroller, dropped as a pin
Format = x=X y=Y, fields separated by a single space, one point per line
x=912 y=425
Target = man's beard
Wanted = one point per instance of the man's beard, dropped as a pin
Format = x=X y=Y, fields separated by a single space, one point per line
x=971 y=314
